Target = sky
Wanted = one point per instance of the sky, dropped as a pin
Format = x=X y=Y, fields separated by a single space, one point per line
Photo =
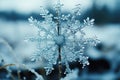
x=27 y=6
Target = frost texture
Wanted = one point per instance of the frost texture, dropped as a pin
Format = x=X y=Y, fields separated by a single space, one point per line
x=61 y=36
x=71 y=76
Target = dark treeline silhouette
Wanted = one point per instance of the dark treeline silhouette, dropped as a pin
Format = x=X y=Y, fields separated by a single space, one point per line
x=104 y=15
x=101 y=16
x=14 y=16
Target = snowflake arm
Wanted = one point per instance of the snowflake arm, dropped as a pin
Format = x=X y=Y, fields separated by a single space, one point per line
x=58 y=41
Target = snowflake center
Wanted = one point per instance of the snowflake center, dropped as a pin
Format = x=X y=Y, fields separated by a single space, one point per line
x=60 y=40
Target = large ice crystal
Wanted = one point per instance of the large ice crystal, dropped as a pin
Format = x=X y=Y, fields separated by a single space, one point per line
x=60 y=38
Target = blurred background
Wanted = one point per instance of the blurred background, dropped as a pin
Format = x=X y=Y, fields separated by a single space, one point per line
x=104 y=58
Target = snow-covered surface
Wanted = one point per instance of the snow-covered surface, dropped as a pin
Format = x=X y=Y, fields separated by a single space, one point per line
x=15 y=32
x=12 y=36
x=109 y=36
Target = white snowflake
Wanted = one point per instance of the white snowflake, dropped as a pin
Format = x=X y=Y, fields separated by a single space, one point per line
x=60 y=39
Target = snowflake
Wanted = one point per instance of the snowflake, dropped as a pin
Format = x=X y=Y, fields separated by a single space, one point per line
x=61 y=39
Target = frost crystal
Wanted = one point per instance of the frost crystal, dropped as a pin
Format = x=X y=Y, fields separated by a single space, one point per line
x=71 y=76
x=60 y=39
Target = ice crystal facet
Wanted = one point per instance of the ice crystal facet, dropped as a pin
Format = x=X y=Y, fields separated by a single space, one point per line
x=71 y=76
x=61 y=36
